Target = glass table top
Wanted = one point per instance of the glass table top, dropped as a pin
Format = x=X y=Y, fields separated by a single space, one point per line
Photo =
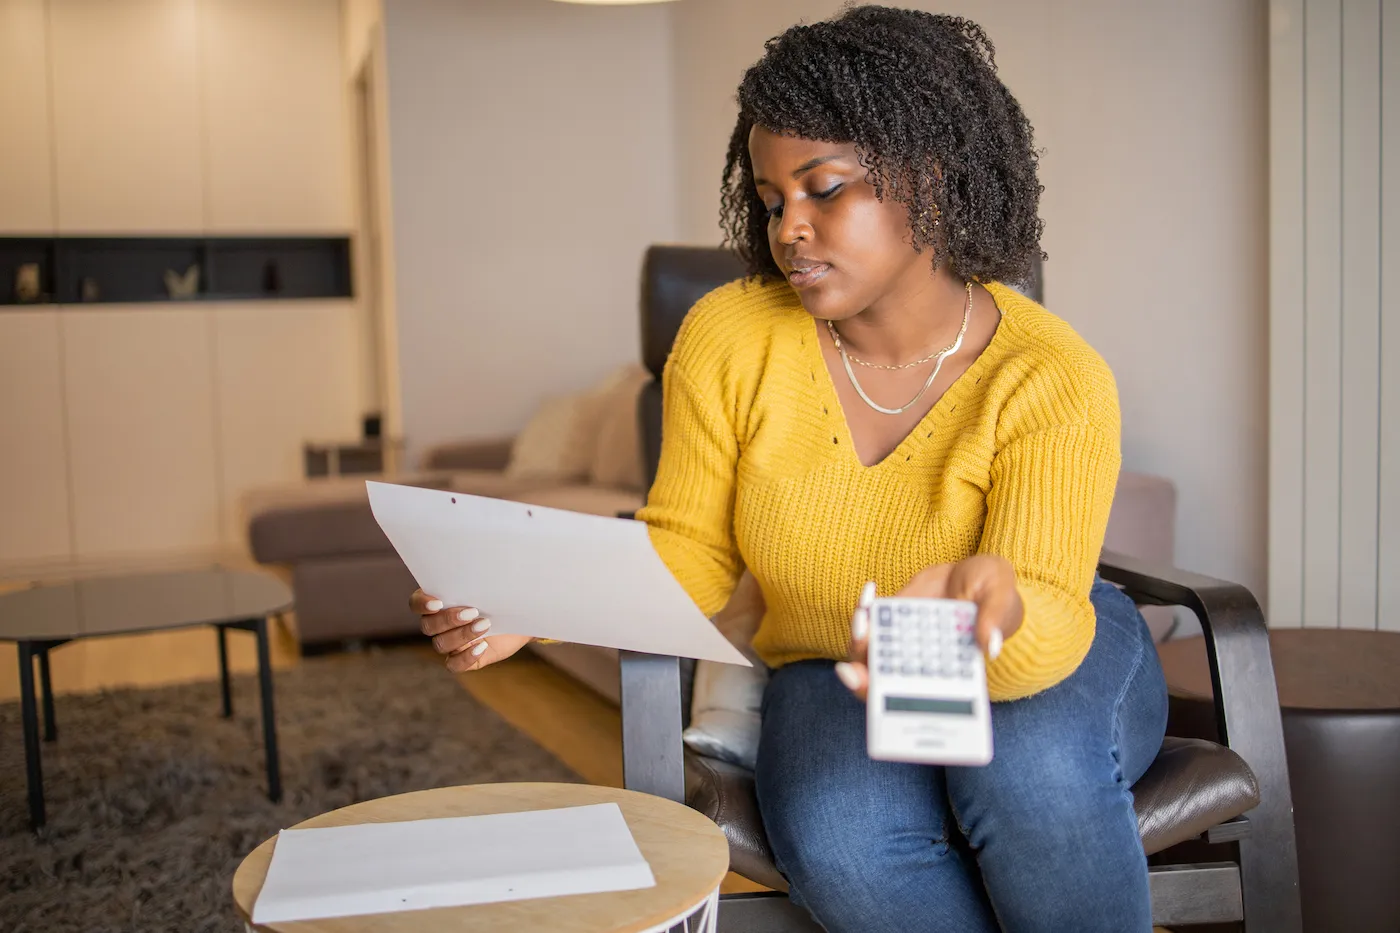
x=139 y=603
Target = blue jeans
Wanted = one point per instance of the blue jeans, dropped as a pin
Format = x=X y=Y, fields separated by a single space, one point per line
x=1042 y=839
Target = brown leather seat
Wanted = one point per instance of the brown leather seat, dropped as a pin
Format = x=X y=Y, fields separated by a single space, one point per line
x=1192 y=786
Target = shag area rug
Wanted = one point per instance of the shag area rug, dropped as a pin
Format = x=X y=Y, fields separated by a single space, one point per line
x=154 y=799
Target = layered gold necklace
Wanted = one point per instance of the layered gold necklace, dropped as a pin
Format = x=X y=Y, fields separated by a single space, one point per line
x=937 y=357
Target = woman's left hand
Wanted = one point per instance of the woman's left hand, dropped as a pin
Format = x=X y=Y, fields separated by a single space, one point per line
x=984 y=579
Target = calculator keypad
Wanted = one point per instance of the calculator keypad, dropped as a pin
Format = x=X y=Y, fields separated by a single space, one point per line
x=931 y=640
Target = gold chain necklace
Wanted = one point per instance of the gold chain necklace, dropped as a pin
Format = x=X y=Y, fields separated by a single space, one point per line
x=938 y=357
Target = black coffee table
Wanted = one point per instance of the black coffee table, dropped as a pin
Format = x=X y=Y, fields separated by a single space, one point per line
x=44 y=617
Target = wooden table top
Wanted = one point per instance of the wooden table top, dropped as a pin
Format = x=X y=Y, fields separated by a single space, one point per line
x=1316 y=669
x=688 y=855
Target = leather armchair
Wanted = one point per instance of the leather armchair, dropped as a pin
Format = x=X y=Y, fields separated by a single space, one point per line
x=1233 y=795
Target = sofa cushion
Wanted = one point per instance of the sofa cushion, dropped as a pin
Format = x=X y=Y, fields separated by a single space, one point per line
x=726 y=698
x=320 y=530
x=493 y=483
x=327 y=490
x=593 y=500
x=556 y=444
x=353 y=596
x=617 y=455
x=336 y=513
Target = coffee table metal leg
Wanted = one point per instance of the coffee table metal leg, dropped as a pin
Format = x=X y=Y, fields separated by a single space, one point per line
x=274 y=769
x=46 y=693
x=223 y=670
x=29 y=713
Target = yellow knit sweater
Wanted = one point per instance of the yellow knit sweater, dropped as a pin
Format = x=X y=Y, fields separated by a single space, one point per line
x=1019 y=458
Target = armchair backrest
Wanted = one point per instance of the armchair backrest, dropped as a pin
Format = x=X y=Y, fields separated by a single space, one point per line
x=673 y=279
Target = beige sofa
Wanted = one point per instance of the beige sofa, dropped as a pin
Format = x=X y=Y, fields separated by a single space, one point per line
x=580 y=452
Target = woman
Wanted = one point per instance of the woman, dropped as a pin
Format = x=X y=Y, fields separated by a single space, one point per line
x=872 y=404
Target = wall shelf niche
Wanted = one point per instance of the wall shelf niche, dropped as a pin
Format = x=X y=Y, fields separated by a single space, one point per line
x=116 y=269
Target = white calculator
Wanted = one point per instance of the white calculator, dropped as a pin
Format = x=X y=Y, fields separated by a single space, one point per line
x=928 y=684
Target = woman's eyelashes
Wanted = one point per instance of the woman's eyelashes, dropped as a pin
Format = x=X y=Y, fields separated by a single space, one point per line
x=776 y=210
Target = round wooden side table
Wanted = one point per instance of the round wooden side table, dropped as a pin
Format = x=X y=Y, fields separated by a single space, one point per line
x=1339 y=693
x=688 y=855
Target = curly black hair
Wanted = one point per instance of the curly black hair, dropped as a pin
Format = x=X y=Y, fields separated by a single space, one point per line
x=918 y=95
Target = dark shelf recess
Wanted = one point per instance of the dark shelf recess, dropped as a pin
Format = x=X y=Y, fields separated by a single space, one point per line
x=281 y=268
x=114 y=269
x=22 y=251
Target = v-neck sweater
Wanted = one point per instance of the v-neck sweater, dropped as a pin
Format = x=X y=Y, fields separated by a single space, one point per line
x=1019 y=457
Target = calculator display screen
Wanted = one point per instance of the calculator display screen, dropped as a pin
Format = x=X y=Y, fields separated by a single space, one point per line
x=926 y=705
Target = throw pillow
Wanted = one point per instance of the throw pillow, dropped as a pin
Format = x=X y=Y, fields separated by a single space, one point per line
x=725 y=701
x=617 y=458
x=557 y=443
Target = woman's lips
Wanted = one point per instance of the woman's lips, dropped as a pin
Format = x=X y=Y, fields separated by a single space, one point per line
x=808 y=275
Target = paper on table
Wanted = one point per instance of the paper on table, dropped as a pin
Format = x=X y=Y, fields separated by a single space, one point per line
x=546 y=572
x=374 y=868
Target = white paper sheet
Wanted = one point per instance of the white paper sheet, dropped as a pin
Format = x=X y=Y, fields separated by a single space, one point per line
x=375 y=868
x=548 y=573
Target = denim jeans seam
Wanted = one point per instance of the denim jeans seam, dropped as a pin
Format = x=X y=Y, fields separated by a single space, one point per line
x=1117 y=721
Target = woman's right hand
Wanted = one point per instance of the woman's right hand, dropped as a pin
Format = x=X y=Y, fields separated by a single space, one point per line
x=459 y=634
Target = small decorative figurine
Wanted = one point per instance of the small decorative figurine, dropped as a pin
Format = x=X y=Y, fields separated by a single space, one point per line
x=182 y=286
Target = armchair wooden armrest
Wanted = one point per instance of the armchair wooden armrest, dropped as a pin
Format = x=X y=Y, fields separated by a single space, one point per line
x=1246 y=712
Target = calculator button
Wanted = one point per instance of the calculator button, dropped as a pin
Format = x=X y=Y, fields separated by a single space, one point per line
x=928 y=672
x=886 y=669
x=964 y=672
x=903 y=609
x=885 y=615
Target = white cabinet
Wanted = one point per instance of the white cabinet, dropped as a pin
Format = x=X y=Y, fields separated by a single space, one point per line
x=126 y=116
x=276 y=117
x=26 y=179
x=286 y=375
x=132 y=430
x=141 y=430
x=34 y=517
x=175 y=116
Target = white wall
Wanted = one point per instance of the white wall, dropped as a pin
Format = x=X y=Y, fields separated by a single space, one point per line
x=1154 y=122
x=532 y=157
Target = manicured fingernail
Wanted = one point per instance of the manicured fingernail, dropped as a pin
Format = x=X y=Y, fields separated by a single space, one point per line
x=466 y=615
x=867 y=593
x=848 y=675
x=994 y=644
x=479 y=650
x=860 y=624
x=482 y=626
x=433 y=605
